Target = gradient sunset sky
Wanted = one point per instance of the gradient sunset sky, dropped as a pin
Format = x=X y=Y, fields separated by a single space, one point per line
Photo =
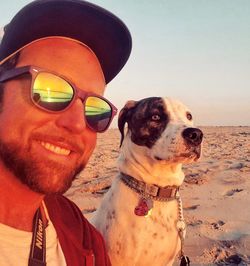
x=195 y=50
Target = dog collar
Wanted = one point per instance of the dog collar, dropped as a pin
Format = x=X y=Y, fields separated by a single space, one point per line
x=153 y=192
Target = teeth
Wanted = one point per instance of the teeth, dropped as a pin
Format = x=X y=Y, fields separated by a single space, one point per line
x=55 y=149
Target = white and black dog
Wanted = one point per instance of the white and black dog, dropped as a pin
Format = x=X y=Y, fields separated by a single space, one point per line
x=140 y=216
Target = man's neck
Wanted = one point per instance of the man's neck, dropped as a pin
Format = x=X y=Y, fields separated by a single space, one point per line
x=18 y=204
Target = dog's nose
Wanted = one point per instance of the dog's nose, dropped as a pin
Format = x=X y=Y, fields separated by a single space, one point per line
x=193 y=136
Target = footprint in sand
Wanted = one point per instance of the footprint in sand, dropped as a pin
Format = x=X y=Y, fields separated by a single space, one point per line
x=233 y=260
x=194 y=223
x=237 y=165
x=217 y=225
x=230 y=177
x=193 y=207
x=233 y=191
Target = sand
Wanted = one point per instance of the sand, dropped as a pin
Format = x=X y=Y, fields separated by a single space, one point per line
x=215 y=194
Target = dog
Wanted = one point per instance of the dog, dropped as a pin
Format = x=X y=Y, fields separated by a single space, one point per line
x=140 y=217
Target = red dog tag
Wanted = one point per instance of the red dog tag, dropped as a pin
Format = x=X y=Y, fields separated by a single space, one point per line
x=143 y=207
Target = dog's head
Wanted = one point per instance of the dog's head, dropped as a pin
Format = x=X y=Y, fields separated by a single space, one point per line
x=164 y=127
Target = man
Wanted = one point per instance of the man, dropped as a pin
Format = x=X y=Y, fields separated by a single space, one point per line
x=56 y=57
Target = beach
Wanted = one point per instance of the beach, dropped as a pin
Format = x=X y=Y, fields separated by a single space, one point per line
x=215 y=193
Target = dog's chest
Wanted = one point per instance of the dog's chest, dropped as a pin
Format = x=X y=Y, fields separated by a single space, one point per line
x=135 y=238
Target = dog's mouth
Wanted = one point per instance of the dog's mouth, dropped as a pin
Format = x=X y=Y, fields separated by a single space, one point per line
x=193 y=153
x=158 y=158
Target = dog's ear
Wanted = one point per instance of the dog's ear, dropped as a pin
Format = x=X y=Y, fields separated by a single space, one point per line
x=124 y=116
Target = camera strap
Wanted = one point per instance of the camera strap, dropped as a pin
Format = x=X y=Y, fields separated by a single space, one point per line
x=38 y=246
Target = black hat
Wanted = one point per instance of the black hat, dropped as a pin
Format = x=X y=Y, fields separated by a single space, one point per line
x=102 y=31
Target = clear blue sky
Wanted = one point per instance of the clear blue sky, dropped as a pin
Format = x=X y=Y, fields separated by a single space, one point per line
x=193 y=50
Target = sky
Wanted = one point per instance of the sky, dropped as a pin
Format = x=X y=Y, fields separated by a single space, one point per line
x=194 y=50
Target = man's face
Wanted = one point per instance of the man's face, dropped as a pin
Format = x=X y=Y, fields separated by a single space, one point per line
x=45 y=151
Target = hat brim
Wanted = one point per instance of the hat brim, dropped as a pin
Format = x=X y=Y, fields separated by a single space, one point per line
x=102 y=31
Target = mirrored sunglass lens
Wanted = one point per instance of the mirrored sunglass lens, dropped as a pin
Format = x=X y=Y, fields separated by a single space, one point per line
x=51 y=92
x=98 y=113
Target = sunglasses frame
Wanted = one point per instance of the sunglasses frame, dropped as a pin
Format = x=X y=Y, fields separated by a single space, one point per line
x=77 y=93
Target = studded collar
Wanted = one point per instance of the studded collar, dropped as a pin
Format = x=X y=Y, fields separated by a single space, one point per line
x=149 y=190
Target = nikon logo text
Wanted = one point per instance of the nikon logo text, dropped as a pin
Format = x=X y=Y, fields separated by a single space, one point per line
x=39 y=235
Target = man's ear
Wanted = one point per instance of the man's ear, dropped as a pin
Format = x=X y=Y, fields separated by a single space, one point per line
x=125 y=116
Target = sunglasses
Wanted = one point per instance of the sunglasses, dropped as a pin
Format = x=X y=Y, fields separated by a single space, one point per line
x=53 y=93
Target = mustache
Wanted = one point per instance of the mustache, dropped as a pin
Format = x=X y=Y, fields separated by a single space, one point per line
x=64 y=140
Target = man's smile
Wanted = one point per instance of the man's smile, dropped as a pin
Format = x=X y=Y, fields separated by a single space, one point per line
x=55 y=149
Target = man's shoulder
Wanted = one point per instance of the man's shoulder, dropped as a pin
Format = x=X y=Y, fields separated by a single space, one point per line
x=66 y=215
x=73 y=229
x=59 y=205
x=59 y=200
x=65 y=212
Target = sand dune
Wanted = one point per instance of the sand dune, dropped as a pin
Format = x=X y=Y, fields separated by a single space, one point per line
x=216 y=194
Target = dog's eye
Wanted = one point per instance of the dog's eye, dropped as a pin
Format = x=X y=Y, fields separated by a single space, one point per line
x=155 y=117
x=189 y=116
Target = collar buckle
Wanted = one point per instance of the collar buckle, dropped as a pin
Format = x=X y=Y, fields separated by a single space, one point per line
x=152 y=190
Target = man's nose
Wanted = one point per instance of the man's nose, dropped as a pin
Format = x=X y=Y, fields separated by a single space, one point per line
x=73 y=118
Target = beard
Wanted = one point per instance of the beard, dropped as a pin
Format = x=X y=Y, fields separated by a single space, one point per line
x=40 y=175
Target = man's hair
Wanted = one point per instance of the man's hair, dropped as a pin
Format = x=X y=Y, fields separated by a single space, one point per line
x=9 y=64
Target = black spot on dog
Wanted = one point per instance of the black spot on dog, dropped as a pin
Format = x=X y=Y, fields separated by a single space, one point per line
x=111 y=215
x=118 y=247
x=154 y=235
x=146 y=119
